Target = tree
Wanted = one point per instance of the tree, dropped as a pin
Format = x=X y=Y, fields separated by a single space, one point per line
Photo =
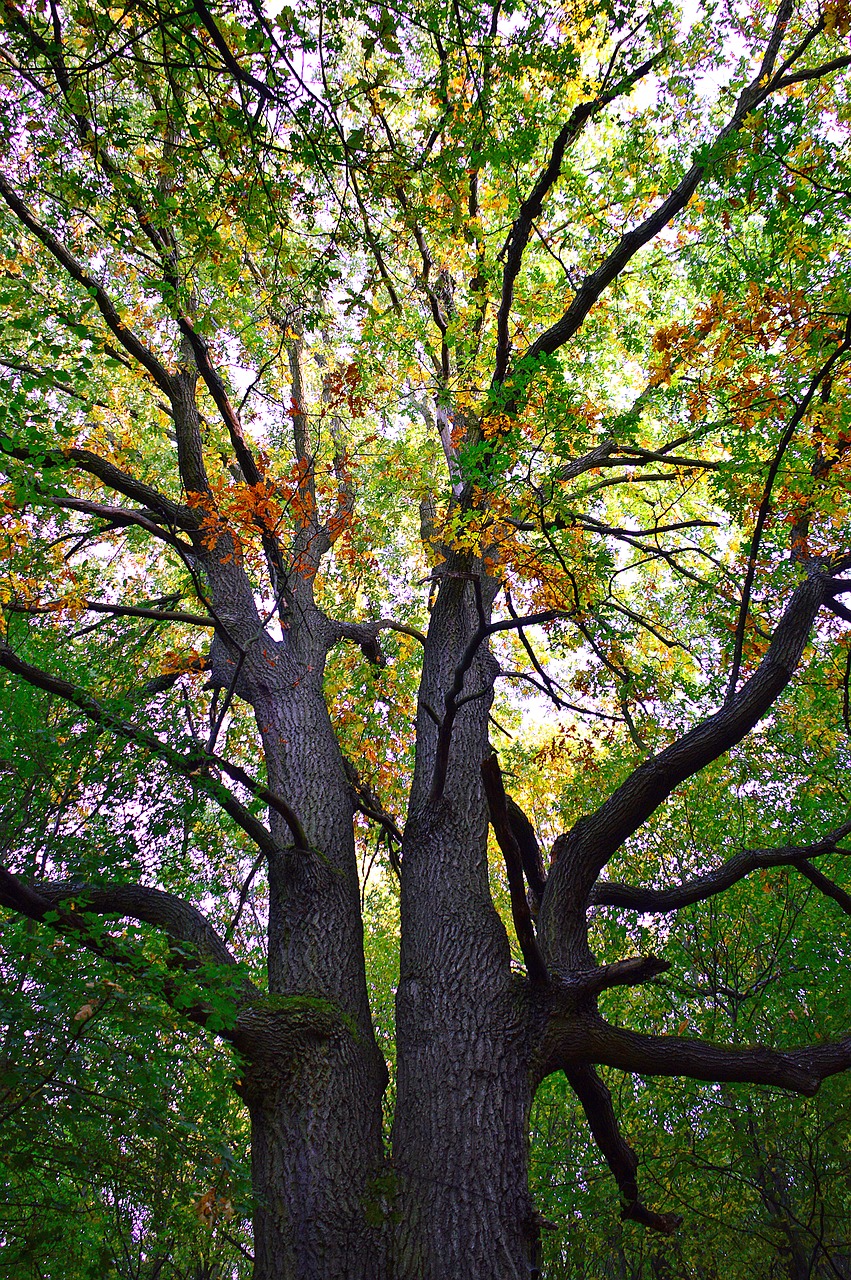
x=573 y=281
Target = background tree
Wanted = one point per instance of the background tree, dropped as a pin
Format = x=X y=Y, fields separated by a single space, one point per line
x=413 y=334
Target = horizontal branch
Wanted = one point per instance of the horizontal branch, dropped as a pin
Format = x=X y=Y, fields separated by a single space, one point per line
x=366 y=634
x=121 y=518
x=630 y=972
x=635 y=898
x=174 y=915
x=64 y=907
x=109 y=475
x=801 y=1070
x=117 y=610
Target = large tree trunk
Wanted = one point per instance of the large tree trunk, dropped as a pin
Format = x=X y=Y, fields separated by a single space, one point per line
x=316 y=1078
x=315 y=1156
x=463 y=1085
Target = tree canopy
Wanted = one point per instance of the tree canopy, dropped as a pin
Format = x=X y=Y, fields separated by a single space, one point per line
x=425 y=445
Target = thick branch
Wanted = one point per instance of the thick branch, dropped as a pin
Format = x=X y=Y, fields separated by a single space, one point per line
x=120 y=518
x=175 y=916
x=530 y=851
x=634 y=898
x=597 y=1104
x=64 y=907
x=585 y=850
x=365 y=634
x=109 y=475
x=630 y=972
x=801 y=1070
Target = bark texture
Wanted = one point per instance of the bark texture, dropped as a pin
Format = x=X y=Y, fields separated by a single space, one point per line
x=463 y=1086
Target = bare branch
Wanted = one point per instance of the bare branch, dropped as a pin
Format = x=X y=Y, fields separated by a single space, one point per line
x=368 y=803
x=633 y=898
x=824 y=884
x=801 y=1070
x=530 y=851
x=119 y=611
x=629 y=972
x=597 y=1104
x=454 y=699
x=507 y=841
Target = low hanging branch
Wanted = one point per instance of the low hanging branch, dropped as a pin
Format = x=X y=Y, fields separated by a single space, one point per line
x=599 y=1111
x=507 y=841
x=65 y=908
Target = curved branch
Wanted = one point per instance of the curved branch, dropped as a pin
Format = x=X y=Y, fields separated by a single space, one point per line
x=820 y=378
x=597 y=1104
x=365 y=634
x=110 y=476
x=179 y=919
x=174 y=915
x=581 y=854
x=367 y=802
x=635 y=898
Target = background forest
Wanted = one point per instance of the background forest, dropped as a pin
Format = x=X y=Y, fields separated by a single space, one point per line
x=359 y=301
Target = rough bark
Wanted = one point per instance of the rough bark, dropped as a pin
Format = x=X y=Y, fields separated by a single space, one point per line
x=463 y=1086
x=315 y=1100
